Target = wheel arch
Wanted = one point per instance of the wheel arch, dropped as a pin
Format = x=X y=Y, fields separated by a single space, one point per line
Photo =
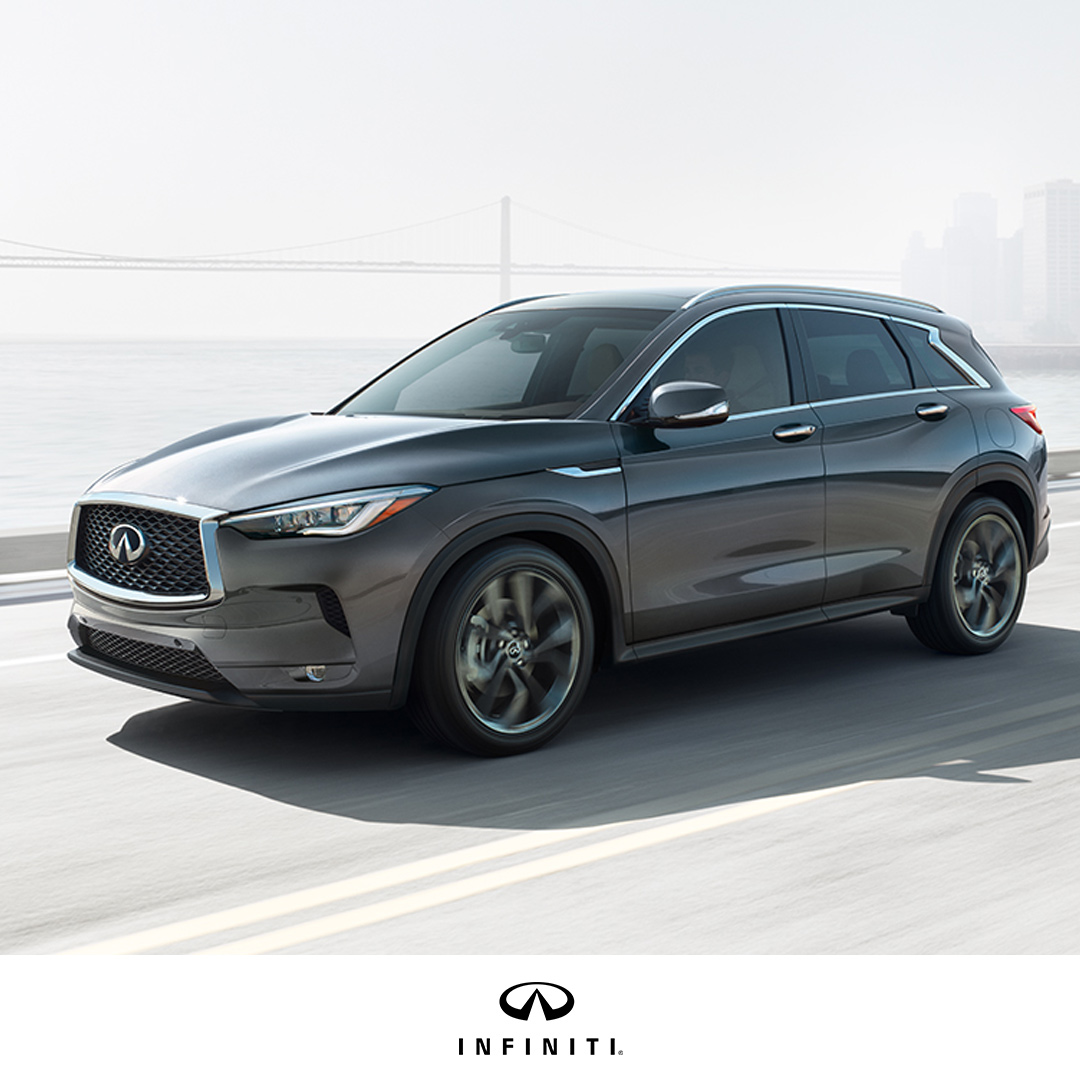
x=1000 y=480
x=1018 y=501
x=575 y=544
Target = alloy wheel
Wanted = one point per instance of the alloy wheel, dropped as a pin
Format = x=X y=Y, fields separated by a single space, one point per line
x=987 y=575
x=518 y=650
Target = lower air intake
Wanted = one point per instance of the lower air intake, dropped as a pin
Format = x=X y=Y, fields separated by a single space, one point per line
x=187 y=664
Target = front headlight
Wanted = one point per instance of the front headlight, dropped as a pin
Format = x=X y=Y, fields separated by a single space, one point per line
x=338 y=515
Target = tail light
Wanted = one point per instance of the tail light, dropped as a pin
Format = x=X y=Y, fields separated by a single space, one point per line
x=1027 y=414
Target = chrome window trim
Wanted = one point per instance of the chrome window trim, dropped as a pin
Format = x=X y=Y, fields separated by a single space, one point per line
x=935 y=341
x=916 y=392
x=933 y=333
x=685 y=336
x=207 y=517
x=957 y=361
x=765 y=412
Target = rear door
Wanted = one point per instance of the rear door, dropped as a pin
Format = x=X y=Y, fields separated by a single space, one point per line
x=890 y=448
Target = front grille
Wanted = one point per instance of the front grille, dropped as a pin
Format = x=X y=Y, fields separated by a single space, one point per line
x=173 y=564
x=187 y=664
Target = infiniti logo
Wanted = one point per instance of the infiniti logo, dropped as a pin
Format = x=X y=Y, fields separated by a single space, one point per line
x=127 y=545
x=518 y=1002
x=521 y=1012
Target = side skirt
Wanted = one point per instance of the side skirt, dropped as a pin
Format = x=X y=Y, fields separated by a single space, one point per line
x=847 y=609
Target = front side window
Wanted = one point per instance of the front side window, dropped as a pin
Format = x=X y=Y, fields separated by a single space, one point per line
x=511 y=365
x=852 y=355
x=742 y=352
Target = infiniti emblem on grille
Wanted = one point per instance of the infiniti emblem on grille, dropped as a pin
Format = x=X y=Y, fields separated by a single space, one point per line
x=127 y=544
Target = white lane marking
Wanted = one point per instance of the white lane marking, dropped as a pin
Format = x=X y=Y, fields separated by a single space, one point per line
x=45 y=658
x=1064 y=525
x=513 y=875
x=260 y=910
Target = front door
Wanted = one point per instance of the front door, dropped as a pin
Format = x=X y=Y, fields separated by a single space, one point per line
x=725 y=523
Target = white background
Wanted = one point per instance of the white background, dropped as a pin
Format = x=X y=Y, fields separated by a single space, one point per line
x=674 y=1016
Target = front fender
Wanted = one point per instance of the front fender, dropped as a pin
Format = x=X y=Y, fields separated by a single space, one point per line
x=572 y=539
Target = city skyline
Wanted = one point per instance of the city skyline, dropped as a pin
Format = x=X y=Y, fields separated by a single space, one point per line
x=787 y=136
x=1023 y=287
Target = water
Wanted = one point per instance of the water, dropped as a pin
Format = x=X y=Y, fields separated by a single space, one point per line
x=1056 y=396
x=70 y=411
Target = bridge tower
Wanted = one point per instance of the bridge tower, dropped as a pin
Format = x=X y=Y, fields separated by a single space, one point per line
x=504 y=251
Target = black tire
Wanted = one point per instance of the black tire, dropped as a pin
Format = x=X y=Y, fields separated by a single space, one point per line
x=979 y=581
x=505 y=653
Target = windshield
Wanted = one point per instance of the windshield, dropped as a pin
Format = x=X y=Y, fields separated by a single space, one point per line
x=511 y=365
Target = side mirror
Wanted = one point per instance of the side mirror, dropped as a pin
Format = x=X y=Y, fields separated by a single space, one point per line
x=688 y=404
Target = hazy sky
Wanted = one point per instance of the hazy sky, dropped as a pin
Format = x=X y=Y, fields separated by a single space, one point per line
x=778 y=134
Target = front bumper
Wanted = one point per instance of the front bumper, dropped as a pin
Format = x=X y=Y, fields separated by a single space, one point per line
x=263 y=647
x=305 y=623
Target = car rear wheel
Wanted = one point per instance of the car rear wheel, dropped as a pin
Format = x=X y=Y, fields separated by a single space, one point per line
x=978 y=584
x=506 y=652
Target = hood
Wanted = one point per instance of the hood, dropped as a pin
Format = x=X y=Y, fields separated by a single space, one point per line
x=246 y=465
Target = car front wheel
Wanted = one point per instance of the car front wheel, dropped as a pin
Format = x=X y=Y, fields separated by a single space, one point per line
x=506 y=651
x=978 y=584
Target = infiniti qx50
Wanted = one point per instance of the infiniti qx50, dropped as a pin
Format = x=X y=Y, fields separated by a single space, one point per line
x=565 y=482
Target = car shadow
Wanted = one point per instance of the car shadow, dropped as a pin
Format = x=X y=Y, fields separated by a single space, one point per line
x=792 y=712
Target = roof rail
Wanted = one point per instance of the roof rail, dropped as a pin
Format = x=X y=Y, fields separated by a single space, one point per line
x=709 y=294
x=519 y=300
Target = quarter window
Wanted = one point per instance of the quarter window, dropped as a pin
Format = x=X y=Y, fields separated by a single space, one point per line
x=852 y=355
x=940 y=371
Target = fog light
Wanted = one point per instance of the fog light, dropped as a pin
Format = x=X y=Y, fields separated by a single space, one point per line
x=315 y=672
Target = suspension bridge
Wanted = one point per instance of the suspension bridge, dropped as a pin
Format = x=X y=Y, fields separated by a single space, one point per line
x=474 y=241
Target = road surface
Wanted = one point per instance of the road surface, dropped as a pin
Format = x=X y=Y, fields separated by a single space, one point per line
x=838 y=789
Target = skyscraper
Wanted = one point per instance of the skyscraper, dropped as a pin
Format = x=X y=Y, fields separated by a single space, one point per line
x=1051 y=275
x=974 y=274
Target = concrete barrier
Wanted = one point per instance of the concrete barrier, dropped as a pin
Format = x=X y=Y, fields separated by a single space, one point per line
x=22 y=551
x=1064 y=463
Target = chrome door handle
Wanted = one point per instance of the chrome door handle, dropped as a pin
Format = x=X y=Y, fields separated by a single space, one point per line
x=794 y=432
x=934 y=411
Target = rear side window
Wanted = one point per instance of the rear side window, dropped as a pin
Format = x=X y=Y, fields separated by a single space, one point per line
x=852 y=355
x=936 y=366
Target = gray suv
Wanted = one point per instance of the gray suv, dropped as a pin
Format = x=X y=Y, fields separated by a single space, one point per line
x=570 y=481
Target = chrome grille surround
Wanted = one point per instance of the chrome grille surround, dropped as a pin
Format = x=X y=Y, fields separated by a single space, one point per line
x=184 y=531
